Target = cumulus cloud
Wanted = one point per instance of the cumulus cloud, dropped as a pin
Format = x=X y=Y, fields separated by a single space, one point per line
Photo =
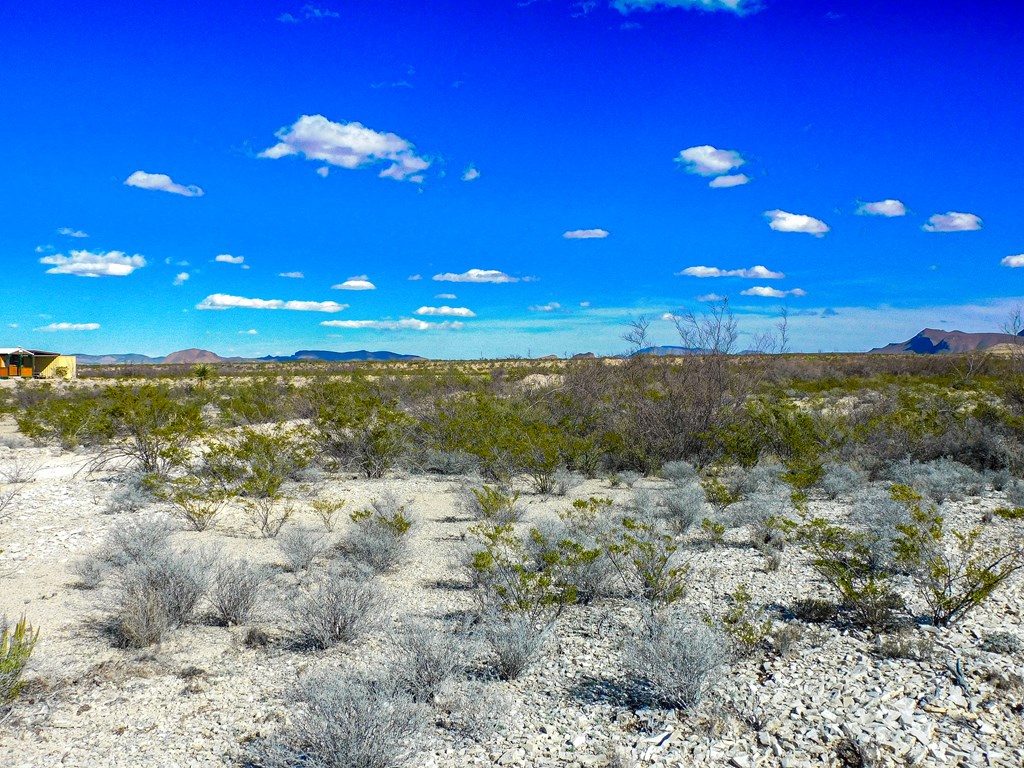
x=888 y=208
x=476 y=276
x=357 y=283
x=44 y=248
x=951 y=221
x=349 y=145
x=734 y=180
x=69 y=232
x=180 y=278
x=584 y=304
x=69 y=327
x=706 y=160
x=227 y=258
x=585 y=234
x=89 y=264
x=551 y=306
x=781 y=221
x=736 y=6
x=250 y=332
x=671 y=317
x=772 y=293
x=470 y=173
x=226 y=301
x=415 y=277
x=711 y=297
x=294 y=275
x=446 y=296
x=405 y=324
x=1013 y=261
x=446 y=311
x=162 y=183
x=757 y=271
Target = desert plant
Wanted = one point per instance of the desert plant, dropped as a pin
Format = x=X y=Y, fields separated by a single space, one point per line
x=712 y=531
x=380 y=537
x=449 y=462
x=132 y=495
x=517 y=641
x=1002 y=642
x=197 y=502
x=335 y=608
x=472 y=709
x=904 y=644
x=346 y=720
x=675 y=658
x=564 y=481
x=327 y=510
x=154 y=425
x=136 y=540
x=426 y=660
x=235 y=591
x=940 y=479
x=646 y=559
x=300 y=546
x=742 y=623
x=685 y=504
x=839 y=479
x=679 y=472
x=90 y=571
x=16 y=646
x=492 y=502
x=785 y=637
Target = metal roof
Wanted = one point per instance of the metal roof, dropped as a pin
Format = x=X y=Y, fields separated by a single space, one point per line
x=23 y=351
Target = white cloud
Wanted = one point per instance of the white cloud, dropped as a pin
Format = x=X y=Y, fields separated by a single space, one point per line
x=405 y=324
x=357 y=283
x=584 y=304
x=757 y=271
x=781 y=221
x=227 y=258
x=415 y=277
x=250 y=332
x=88 y=264
x=1013 y=261
x=888 y=208
x=446 y=311
x=69 y=327
x=585 y=234
x=772 y=293
x=476 y=276
x=323 y=171
x=711 y=297
x=307 y=13
x=706 y=160
x=551 y=306
x=733 y=180
x=44 y=248
x=349 y=145
x=445 y=296
x=162 y=183
x=69 y=232
x=951 y=221
x=180 y=278
x=470 y=173
x=671 y=317
x=294 y=275
x=226 y=301
x=736 y=6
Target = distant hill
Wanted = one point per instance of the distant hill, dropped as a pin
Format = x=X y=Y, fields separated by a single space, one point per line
x=663 y=351
x=931 y=341
x=192 y=356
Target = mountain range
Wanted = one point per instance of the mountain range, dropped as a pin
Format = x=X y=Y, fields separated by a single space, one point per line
x=193 y=356
x=931 y=341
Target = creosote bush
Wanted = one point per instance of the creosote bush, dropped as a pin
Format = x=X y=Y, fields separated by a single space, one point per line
x=16 y=646
x=379 y=538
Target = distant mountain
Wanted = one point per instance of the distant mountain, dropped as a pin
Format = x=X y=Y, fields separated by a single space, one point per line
x=192 y=356
x=669 y=351
x=932 y=342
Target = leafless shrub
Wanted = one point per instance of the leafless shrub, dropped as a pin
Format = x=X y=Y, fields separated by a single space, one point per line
x=380 y=537
x=18 y=469
x=268 y=515
x=880 y=516
x=814 y=610
x=450 y=463
x=300 y=546
x=90 y=571
x=685 y=504
x=235 y=591
x=336 y=608
x=132 y=495
x=1015 y=493
x=629 y=478
x=904 y=645
x=939 y=480
x=679 y=472
x=516 y=640
x=346 y=720
x=676 y=658
x=472 y=709
x=1002 y=642
x=137 y=540
x=565 y=480
x=426 y=660
x=839 y=479
x=785 y=638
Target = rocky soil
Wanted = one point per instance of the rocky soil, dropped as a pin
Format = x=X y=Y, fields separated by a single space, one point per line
x=202 y=695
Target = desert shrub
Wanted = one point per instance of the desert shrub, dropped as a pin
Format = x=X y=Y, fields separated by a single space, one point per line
x=472 y=709
x=838 y=479
x=235 y=590
x=744 y=624
x=255 y=463
x=450 y=462
x=785 y=637
x=16 y=646
x=629 y=477
x=761 y=509
x=380 y=536
x=685 y=503
x=254 y=400
x=73 y=418
x=154 y=425
x=18 y=469
x=132 y=495
x=675 y=659
x=155 y=596
x=814 y=610
x=336 y=608
x=879 y=516
x=90 y=571
x=565 y=480
x=346 y=720
x=194 y=499
x=136 y=540
x=1002 y=642
x=679 y=472
x=300 y=546
x=516 y=640
x=327 y=510
x=425 y=660
x=845 y=560
x=1015 y=493
x=1009 y=514
x=646 y=559
x=904 y=644
x=494 y=503
x=574 y=554
x=953 y=577
x=712 y=531
x=940 y=480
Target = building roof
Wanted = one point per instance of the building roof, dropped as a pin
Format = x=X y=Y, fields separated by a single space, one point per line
x=23 y=351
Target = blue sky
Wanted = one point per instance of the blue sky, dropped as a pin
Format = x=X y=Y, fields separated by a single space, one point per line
x=256 y=178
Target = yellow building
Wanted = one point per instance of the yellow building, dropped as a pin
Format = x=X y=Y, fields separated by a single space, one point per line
x=16 y=362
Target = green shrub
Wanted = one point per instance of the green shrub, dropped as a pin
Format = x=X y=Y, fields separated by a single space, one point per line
x=494 y=503
x=16 y=646
x=645 y=557
x=745 y=625
x=74 y=418
x=380 y=537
